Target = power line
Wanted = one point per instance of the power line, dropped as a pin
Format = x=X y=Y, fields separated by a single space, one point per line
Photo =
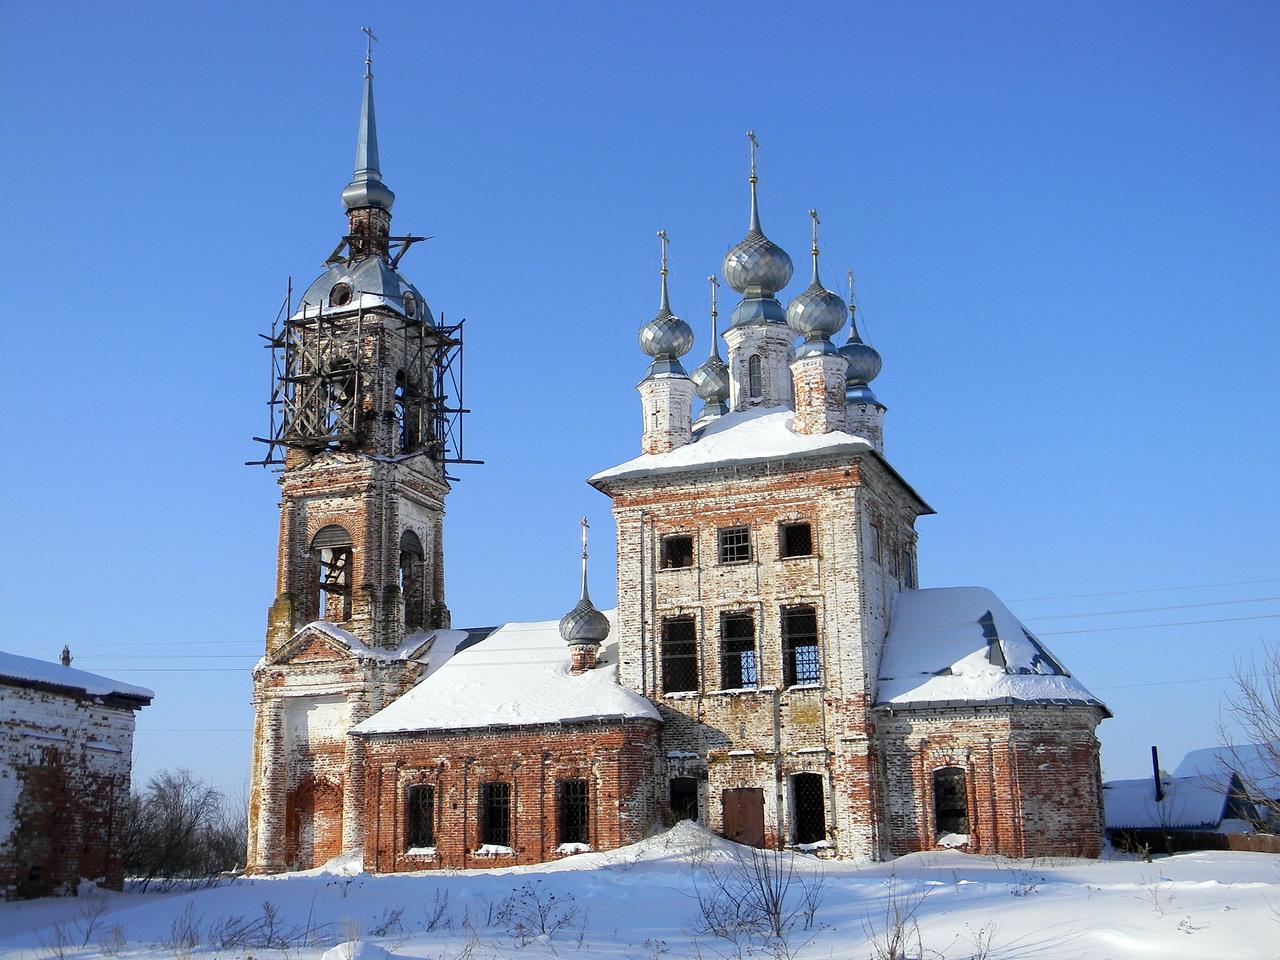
x=1150 y=626
x=1176 y=606
x=1159 y=683
x=1124 y=593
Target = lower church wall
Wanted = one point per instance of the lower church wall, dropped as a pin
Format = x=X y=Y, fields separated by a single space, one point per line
x=617 y=759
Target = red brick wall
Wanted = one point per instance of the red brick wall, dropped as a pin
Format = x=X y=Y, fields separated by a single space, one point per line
x=617 y=760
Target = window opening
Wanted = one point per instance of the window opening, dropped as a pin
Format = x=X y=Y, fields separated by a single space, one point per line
x=873 y=535
x=410 y=305
x=574 y=811
x=755 y=378
x=340 y=295
x=809 y=808
x=495 y=813
x=420 y=801
x=737 y=651
x=677 y=552
x=950 y=801
x=800 y=646
x=735 y=544
x=684 y=798
x=331 y=557
x=797 y=540
x=679 y=655
x=412 y=579
x=908 y=570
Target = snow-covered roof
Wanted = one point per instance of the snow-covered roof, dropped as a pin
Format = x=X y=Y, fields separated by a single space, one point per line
x=1255 y=762
x=954 y=646
x=430 y=648
x=1190 y=803
x=31 y=670
x=746 y=436
x=518 y=675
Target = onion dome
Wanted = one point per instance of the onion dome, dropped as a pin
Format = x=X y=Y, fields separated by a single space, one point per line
x=366 y=188
x=817 y=313
x=711 y=377
x=756 y=267
x=864 y=359
x=666 y=337
x=584 y=623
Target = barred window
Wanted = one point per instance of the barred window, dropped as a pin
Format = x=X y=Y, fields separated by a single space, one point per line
x=808 y=809
x=800 y=646
x=677 y=551
x=574 y=810
x=420 y=803
x=950 y=801
x=735 y=544
x=795 y=540
x=737 y=651
x=679 y=655
x=495 y=813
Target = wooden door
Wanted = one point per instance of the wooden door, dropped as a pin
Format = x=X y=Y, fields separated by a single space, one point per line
x=744 y=815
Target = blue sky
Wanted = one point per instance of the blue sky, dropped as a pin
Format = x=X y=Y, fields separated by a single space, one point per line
x=1065 y=220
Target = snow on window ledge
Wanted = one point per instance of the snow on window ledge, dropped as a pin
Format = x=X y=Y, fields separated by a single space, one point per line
x=420 y=852
x=681 y=695
x=493 y=850
x=742 y=753
x=738 y=691
x=571 y=848
x=811 y=847
x=952 y=839
x=804 y=686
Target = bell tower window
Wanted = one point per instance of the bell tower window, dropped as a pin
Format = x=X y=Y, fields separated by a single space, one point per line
x=412 y=581
x=755 y=378
x=331 y=560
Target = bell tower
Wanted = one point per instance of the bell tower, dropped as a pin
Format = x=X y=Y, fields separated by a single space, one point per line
x=365 y=411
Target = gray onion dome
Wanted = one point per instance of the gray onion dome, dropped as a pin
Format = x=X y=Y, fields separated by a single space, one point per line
x=584 y=623
x=756 y=265
x=864 y=360
x=711 y=380
x=817 y=313
x=666 y=337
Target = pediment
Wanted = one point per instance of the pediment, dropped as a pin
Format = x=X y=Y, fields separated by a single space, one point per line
x=311 y=644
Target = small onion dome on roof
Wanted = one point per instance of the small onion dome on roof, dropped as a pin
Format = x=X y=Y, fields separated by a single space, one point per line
x=755 y=266
x=817 y=313
x=666 y=337
x=711 y=377
x=864 y=359
x=584 y=623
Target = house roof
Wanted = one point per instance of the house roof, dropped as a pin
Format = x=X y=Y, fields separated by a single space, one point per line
x=1190 y=803
x=960 y=646
x=516 y=676
x=18 y=669
x=1254 y=762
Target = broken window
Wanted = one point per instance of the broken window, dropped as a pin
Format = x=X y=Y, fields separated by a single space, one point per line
x=684 y=798
x=735 y=544
x=677 y=551
x=495 y=813
x=808 y=808
x=412 y=577
x=950 y=801
x=331 y=559
x=679 y=655
x=737 y=651
x=799 y=646
x=755 y=378
x=420 y=803
x=574 y=811
x=795 y=540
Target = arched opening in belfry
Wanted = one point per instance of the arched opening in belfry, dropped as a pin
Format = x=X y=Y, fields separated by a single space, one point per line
x=413 y=581
x=755 y=378
x=407 y=413
x=330 y=552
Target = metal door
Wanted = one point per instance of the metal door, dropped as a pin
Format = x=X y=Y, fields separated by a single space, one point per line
x=744 y=815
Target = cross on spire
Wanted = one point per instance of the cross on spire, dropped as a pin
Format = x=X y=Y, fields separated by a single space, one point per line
x=755 y=145
x=665 y=304
x=585 y=595
x=368 y=50
x=813 y=215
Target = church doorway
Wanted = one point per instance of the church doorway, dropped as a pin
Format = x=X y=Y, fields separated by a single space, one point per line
x=744 y=815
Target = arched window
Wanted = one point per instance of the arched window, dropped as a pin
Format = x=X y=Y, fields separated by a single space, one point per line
x=340 y=295
x=412 y=581
x=410 y=305
x=338 y=395
x=950 y=801
x=755 y=378
x=407 y=412
x=331 y=583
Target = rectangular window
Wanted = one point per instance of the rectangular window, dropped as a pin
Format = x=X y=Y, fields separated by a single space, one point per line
x=873 y=542
x=737 y=651
x=808 y=808
x=908 y=571
x=679 y=655
x=574 y=811
x=420 y=804
x=735 y=544
x=677 y=552
x=799 y=646
x=495 y=813
x=950 y=801
x=796 y=540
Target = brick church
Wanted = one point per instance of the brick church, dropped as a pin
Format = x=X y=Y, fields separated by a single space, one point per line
x=773 y=670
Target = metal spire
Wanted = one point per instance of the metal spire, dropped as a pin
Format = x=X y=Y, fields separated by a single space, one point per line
x=715 y=333
x=813 y=214
x=854 y=336
x=664 y=305
x=586 y=597
x=366 y=188
x=754 y=225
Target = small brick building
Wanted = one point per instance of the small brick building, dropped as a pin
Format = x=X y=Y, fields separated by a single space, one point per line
x=66 y=749
x=773 y=668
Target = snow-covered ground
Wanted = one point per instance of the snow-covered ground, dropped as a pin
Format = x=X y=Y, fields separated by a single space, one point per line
x=643 y=902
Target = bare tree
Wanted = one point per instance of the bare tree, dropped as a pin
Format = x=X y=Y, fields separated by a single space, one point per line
x=1254 y=706
x=181 y=828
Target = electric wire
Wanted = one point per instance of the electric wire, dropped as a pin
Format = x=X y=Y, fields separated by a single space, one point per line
x=1124 y=593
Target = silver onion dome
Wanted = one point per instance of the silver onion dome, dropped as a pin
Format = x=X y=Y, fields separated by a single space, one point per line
x=755 y=266
x=666 y=337
x=711 y=377
x=366 y=188
x=864 y=359
x=584 y=623
x=817 y=313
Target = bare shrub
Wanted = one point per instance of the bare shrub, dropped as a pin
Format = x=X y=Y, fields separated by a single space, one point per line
x=438 y=916
x=533 y=911
x=894 y=933
x=389 y=924
x=113 y=941
x=184 y=931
